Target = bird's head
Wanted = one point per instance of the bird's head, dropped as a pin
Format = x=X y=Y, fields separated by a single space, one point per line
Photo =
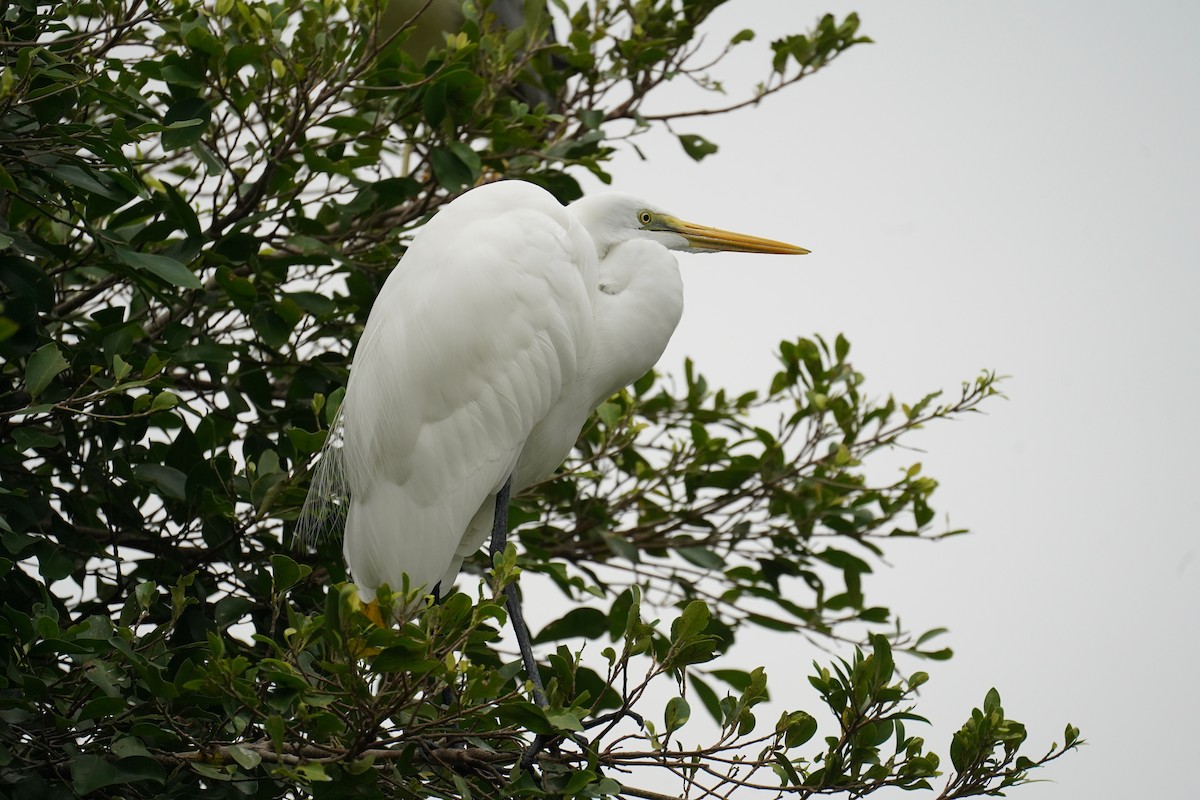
x=613 y=218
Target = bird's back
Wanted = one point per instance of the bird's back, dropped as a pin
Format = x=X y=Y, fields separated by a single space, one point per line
x=468 y=347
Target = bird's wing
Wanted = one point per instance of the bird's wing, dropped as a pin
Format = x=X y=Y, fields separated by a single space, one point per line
x=468 y=346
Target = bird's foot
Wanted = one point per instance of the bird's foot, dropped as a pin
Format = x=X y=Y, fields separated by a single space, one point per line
x=372 y=612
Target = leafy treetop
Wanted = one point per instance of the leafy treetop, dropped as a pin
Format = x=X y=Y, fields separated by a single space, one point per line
x=198 y=203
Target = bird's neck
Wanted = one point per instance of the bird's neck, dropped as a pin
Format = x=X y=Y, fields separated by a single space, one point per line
x=636 y=310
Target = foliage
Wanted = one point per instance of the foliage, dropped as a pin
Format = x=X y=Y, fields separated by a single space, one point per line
x=198 y=203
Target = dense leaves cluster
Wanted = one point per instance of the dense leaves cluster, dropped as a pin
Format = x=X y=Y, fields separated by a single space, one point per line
x=696 y=489
x=198 y=203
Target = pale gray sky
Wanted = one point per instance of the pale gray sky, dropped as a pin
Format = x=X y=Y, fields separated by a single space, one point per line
x=1012 y=186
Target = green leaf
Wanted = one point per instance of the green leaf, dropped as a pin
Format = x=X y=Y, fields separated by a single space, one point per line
x=276 y=729
x=677 y=714
x=708 y=697
x=54 y=565
x=694 y=619
x=222 y=773
x=564 y=721
x=737 y=678
x=7 y=328
x=589 y=623
x=958 y=750
x=609 y=413
x=35 y=437
x=591 y=118
x=945 y=654
x=468 y=157
x=186 y=123
x=404 y=659
x=198 y=37
x=170 y=270
x=841 y=347
x=315 y=773
x=843 y=560
x=798 y=728
x=170 y=481
x=696 y=146
x=89 y=180
x=91 y=772
x=449 y=169
x=579 y=781
x=44 y=364
x=788 y=769
x=183 y=213
x=274 y=329
x=525 y=715
x=141 y=768
x=306 y=442
x=698 y=650
x=146 y=593
x=120 y=367
x=701 y=556
x=245 y=757
x=102 y=707
x=286 y=573
x=433 y=104
x=622 y=547
x=130 y=746
x=163 y=401
x=930 y=634
x=771 y=623
x=882 y=656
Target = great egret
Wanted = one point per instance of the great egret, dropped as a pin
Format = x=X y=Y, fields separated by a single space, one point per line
x=509 y=319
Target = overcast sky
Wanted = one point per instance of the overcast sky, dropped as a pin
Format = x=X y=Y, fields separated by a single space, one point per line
x=1012 y=186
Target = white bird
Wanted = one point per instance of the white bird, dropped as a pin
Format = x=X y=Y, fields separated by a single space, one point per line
x=508 y=320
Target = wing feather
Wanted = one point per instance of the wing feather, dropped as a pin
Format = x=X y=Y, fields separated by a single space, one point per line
x=469 y=346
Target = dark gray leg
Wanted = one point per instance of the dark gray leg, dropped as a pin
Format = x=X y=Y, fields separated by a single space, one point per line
x=513 y=597
x=524 y=640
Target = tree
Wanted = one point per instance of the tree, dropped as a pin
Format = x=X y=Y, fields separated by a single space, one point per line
x=198 y=204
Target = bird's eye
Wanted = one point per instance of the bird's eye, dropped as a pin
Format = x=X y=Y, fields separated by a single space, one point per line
x=644 y=217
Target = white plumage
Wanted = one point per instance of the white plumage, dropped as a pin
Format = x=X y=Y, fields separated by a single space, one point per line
x=509 y=319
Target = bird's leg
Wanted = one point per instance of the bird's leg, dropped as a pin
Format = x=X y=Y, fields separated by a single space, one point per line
x=525 y=643
x=513 y=603
x=513 y=597
x=500 y=519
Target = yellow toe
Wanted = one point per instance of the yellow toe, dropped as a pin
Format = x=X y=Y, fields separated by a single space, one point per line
x=373 y=613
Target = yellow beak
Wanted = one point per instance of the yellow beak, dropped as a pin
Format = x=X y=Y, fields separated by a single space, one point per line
x=702 y=237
